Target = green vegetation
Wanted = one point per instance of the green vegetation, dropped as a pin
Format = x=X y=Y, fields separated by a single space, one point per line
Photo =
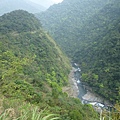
x=33 y=71
x=100 y=57
x=66 y=21
x=113 y=115
x=29 y=113
x=89 y=32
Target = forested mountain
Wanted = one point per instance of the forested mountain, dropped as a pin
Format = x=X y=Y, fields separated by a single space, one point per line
x=100 y=55
x=33 y=71
x=89 y=32
x=10 y=5
x=65 y=20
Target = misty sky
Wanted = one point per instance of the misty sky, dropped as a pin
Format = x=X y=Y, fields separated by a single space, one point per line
x=46 y=3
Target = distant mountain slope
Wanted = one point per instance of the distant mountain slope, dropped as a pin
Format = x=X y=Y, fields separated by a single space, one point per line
x=33 y=71
x=88 y=31
x=100 y=63
x=10 y=5
x=99 y=53
x=65 y=19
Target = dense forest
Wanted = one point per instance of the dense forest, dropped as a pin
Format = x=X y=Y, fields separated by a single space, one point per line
x=66 y=20
x=89 y=32
x=100 y=58
x=33 y=71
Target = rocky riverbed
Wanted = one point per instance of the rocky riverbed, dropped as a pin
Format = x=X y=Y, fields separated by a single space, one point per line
x=74 y=90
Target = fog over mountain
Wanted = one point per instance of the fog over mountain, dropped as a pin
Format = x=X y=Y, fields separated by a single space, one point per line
x=45 y=3
x=32 y=6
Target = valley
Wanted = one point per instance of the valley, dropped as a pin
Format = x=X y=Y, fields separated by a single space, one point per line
x=77 y=88
x=38 y=81
x=90 y=36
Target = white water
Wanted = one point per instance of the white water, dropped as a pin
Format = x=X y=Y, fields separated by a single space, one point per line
x=85 y=95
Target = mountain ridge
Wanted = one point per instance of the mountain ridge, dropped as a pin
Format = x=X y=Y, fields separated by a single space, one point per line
x=33 y=71
x=11 y=5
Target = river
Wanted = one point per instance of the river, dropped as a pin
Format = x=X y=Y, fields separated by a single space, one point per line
x=77 y=76
x=77 y=89
x=85 y=93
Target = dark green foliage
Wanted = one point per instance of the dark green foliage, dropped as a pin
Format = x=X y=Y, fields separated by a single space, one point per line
x=20 y=21
x=100 y=56
x=66 y=21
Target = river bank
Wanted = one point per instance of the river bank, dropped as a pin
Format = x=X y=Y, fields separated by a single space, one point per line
x=71 y=89
x=93 y=97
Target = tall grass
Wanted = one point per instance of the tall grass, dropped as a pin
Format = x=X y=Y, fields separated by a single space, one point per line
x=31 y=115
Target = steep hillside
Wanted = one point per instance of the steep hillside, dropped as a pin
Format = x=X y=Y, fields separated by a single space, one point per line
x=99 y=56
x=88 y=31
x=10 y=5
x=33 y=71
x=33 y=50
x=65 y=20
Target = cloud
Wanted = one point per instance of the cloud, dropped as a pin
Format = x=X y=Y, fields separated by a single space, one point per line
x=57 y=1
x=45 y=3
